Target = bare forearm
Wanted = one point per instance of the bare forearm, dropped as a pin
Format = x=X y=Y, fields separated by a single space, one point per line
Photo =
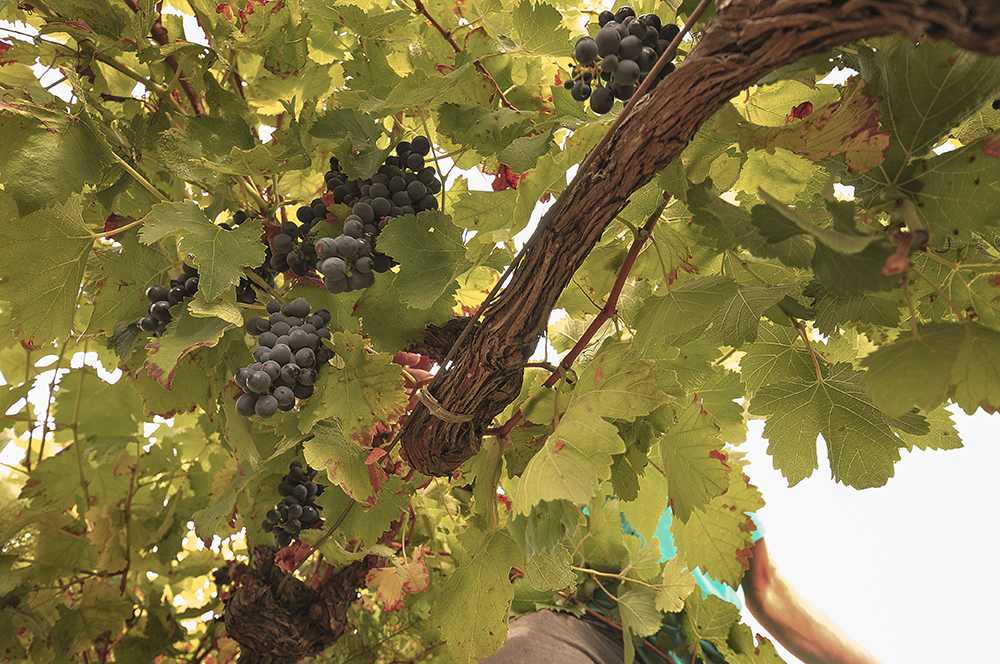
x=800 y=627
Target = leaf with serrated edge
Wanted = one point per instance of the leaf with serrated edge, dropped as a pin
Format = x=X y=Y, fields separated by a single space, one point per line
x=676 y=584
x=342 y=459
x=640 y=617
x=471 y=611
x=367 y=390
x=218 y=254
x=735 y=321
x=914 y=371
x=55 y=242
x=694 y=475
x=862 y=447
x=540 y=29
x=708 y=618
x=430 y=252
x=975 y=377
x=184 y=334
x=577 y=456
x=550 y=570
x=681 y=310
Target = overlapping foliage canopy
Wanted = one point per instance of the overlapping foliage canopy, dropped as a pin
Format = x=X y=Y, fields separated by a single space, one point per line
x=750 y=242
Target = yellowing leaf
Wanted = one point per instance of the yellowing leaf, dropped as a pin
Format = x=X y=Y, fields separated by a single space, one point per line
x=849 y=126
x=394 y=584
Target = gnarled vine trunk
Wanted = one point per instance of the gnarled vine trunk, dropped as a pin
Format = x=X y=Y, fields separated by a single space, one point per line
x=747 y=40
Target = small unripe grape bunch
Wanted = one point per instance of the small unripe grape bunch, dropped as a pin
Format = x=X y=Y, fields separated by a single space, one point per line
x=613 y=64
x=298 y=509
x=288 y=358
x=162 y=299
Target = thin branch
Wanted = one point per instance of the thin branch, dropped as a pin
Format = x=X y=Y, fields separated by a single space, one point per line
x=609 y=310
x=159 y=33
x=421 y=9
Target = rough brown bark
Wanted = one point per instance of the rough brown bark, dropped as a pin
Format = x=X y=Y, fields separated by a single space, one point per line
x=746 y=40
x=278 y=619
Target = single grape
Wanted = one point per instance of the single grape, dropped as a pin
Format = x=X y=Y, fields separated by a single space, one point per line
x=160 y=311
x=586 y=51
x=601 y=101
x=364 y=211
x=258 y=382
x=290 y=374
x=285 y=488
x=294 y=511
x=669 y=31
x=421 y=145
x=284 y=396
x=627 y=73
x=647 y=58
x=608 y=40
x=305 y=357
x=581 y=91
x=273 y=515
x=148 y=323
x=630 y=48
x=246 y=403
x=282 y=243
x=299 y=307
x=609 y=63
x=624 y=13
x=272 y=369
x=281 y=353
x=309 y=515
x=347 y=246
x=157 y=293
x=604 y=17
x=352 y=227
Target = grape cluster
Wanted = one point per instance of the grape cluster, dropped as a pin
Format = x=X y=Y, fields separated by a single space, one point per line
x=161 y=299
x=298 y=509
x=288 y=358
x=404 y=184
x=293 y=247
x=613 y=64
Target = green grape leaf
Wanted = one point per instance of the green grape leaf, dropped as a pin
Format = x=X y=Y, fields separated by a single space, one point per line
x=975 y=376
x=119 y=288
x=787 y=175
x=578 y=454
x=955 y=191
x=862 y=448
x=777 y=354
x=643 y=513
x=209 y=520
x=718 y=395
x=841 y=242
x=690 y=454
x=926 y=91
x=688 y=307
x=914 y=371
x=745 y=649
x=367 y=390
x=545 y=527
x=849 y=126
x=116 y=417
x=430 y=252
x=540 y=31
x=735 y=321
x=342 y=459
x=676 y=583
x=941 y=435
x=389 y=322
x=484 y=130
x=710 y=618
x=843 y=274
x=640 y=617
x=42 y=166
x=984 y=293
x=55 y=243
x=833 y=311
x=550 y=570
x=218 y=254
x=522 y=153
x=184 y=334
x=471 y=611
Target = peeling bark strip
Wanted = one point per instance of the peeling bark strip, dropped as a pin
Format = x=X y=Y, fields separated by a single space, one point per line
x=747 y=39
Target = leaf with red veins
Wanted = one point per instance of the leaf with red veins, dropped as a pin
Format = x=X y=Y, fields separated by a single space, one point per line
x=4 y=47
x=849 y=126
x=393 y=584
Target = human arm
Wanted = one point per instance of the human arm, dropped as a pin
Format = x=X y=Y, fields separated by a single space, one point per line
x=800 y=627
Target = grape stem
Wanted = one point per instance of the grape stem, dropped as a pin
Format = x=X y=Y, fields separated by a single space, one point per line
x=607 y=312
x=139 y=178
x=421 y=9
